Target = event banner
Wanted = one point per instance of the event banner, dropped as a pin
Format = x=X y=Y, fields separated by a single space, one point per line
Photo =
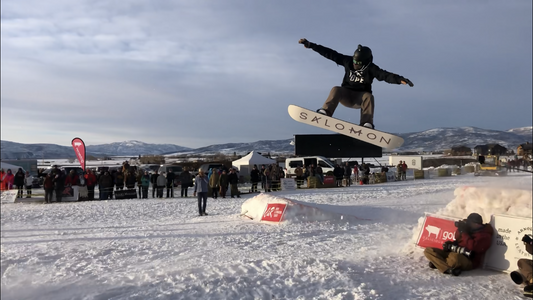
x=274 y=212
x=507 y=246
x=436 y=230
x=79 y=149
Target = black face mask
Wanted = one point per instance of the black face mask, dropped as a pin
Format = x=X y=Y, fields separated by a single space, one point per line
x=357 y=67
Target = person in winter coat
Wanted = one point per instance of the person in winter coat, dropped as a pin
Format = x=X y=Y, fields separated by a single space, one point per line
x=404 y=171
x=201 y=188
x=72 y=179
x=471 y=235
x=263 y=177
x=130 y=179
x=119 y=180
x=320 y=174
x=338 y=172
x=153 y=180
x=161 y=182
x=9 y=180
x=90 y=180
x=255 y=177
x=268 y=178
x=28 y=182
x=59 y=183
x=356 y=88
x=356 y=171
x=145 y=184
x=105 y=185
x=2 y=177
x=347 y=174
x=524 y=274
x=48 y=186
x=186 y=181
x=223 y=183
x=19 y=182
x=170 y=184
x=233 y=180
x=139 y=178
x=299 y=172
x=214 y=182
x=399 y=168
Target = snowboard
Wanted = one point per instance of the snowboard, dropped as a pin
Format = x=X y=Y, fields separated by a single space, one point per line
x=368 y=135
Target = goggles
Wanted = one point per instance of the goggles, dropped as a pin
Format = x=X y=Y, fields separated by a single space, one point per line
x=357 y=62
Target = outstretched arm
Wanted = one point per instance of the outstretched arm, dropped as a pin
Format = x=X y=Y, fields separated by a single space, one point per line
x=324 y=51
x=389 y=77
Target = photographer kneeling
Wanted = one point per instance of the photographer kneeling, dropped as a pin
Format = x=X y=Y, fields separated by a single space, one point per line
x=525 y=269
x=472 y=240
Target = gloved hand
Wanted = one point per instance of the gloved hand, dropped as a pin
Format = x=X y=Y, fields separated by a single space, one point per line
x=447 y=246
x=527 y=239
x=305 y=42
x=407 y=81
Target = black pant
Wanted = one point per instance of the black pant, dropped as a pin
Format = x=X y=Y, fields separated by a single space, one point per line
x=140 y=191
x=20 y=191
x=28 y=191
x=154 y=189
x=202 y=202
x=170 y=192
x=144 y=191
x=160 y=191
x=215 y=192
x=48 y=194
x=184 y=189
x=254 y=187
x=59 y=194
x=90 y=192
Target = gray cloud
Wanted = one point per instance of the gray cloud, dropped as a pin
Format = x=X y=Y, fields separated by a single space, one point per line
x=196 y=73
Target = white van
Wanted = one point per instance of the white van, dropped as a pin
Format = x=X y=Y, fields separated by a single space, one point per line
x=292 y=163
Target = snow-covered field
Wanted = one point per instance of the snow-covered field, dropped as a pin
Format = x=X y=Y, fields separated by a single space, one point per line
x=161 y=249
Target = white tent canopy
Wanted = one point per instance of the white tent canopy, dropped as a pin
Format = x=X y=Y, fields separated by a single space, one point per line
x=13 y=168
x=246 y=163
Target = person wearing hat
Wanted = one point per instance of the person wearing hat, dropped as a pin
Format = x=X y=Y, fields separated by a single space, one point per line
x=201 y=188
x=472 y=240
x=356 y=88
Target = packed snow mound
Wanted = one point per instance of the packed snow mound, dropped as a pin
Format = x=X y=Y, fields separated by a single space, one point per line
x=295 y=212
x=485 y=201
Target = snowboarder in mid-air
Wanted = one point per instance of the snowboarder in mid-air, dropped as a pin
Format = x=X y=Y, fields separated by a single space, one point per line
x=356 y=88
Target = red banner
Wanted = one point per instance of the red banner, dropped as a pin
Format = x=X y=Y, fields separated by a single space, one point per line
x=329 y=180
x=435 y=231
x=79 y=149
x=274 y=212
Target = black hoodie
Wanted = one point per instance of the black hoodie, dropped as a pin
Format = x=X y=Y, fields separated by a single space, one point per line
x=360 y=80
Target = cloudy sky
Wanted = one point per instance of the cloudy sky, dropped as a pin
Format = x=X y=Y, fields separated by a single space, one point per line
x=196 y=73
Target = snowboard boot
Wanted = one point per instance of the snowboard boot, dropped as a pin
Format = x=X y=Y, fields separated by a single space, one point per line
x=206 y=214
x=454 y=272
x=431 y=265
x=528 y=291
x=368 y=125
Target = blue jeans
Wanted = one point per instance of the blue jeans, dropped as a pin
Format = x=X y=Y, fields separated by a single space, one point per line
x=202 y=202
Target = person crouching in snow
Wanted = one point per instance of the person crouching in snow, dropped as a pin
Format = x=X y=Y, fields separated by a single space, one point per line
x=524 y=275
x=473 y=239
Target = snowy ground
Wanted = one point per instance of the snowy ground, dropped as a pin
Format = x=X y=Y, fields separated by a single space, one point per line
x=161 y=249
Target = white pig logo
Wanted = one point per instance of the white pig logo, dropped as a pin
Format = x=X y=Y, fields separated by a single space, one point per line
x=433 y=230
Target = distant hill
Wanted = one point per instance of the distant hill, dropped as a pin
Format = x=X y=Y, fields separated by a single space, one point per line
x=429 y=140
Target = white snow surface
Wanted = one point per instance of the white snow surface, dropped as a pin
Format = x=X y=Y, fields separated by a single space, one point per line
x=161 y=249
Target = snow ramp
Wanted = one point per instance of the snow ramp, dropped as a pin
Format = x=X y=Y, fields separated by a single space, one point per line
x=259 y=207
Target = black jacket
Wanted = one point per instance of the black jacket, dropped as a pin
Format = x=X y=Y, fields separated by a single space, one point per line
x=233 y=178
x=255 y=175
x=360 y=80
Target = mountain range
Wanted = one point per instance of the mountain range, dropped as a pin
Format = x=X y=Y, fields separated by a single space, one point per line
x=437 y=139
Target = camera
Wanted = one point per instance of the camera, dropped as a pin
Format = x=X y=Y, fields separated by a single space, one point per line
x=461 y=250
x=459 y=223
